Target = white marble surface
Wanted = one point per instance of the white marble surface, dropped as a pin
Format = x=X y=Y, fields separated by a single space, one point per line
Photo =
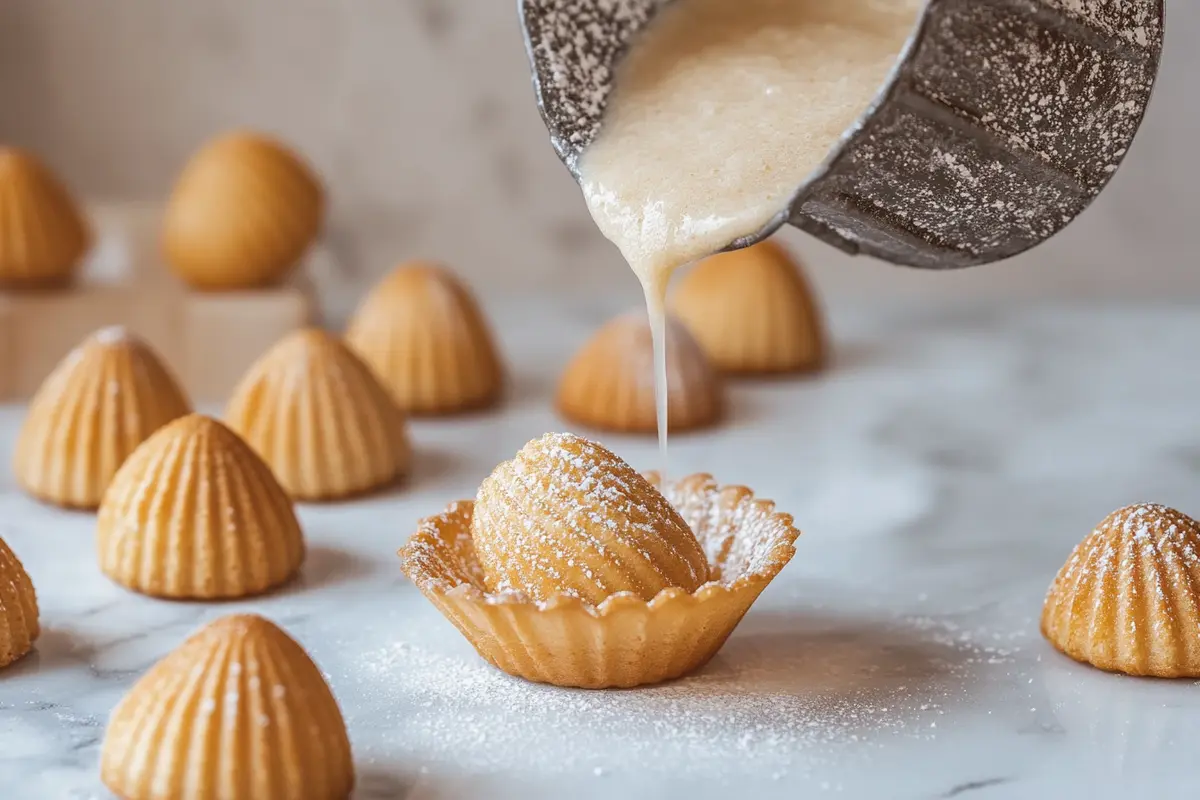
x=941 y=473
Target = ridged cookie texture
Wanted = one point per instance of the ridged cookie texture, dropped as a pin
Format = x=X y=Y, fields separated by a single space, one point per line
x=19 y=626
x=102 y=401
x=568 y=516
x=243 y=212
x=238 y=711
x=425 y=336
x=321 y=419
x=194 y=513
x=753 y=312
x=609 y=384
x=1128 y=598
x=43 y=233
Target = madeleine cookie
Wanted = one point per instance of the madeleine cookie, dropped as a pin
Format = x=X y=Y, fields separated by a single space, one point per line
x=18 y=608
x=320 y=419
x=422 y=332
x=102 y=401
x=1128 y=598
x=194 y=513
x=43 y=234
x=244 y=211
x=239 y=710
x=753 y=312
x=609 y=384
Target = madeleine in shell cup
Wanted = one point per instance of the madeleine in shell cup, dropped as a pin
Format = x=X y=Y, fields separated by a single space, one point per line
x=624 y=641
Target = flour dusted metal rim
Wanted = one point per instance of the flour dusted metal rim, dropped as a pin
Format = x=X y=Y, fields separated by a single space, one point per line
x=1000 y=123
x=624 y=641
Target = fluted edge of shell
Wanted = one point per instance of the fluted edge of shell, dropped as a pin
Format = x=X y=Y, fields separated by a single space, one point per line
x=624 y=641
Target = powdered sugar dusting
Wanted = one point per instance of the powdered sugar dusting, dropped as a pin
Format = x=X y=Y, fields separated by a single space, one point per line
x=779 y=701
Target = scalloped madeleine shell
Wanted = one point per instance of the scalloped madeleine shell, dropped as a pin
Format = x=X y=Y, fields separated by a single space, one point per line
x=320 y=418
x=1128 y=598
x=609 y=384
x=194 y=513
x=18 y=608
x=239 y=710
x=102 y=401
x=43 y=234
x=243 y=212
x=624 y=641
x=752 y=311
x=425 y=336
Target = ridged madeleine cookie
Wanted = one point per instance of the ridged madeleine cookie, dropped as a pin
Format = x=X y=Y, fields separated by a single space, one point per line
x=566 y=516
x=753 y=312
x=244 y=211
x=239 y=710
x=609 y=384
x=102 y=401
x=1128 y=598
x=43 y=233
x=194 y=513
x=425 y=336
x=19 y=625
x=320 y=419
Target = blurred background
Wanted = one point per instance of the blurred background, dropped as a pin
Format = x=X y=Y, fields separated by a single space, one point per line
x=420 y=116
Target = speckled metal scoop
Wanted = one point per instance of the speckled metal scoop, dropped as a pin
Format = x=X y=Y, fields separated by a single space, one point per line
x=1001 y=122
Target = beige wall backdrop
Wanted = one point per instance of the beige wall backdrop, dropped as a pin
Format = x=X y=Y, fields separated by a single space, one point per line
x=420 y=115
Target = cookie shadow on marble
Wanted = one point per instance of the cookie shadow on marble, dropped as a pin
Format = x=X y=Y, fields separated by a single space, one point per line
x=874 y=663
x=56 y=647
x=324 y=566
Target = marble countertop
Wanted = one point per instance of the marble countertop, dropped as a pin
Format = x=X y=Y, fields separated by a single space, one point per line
x=941 y=472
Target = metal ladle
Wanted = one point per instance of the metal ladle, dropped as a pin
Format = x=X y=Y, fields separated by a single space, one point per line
x=1001 y=121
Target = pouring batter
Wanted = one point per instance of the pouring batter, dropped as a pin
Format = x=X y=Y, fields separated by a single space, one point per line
x=718 y=113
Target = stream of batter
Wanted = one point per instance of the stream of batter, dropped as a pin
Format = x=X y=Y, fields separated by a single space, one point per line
x=719 y=112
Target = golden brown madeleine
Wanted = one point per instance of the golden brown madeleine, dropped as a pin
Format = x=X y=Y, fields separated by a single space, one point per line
x=194 y=513
x=320 y=418
x=567 y=516
x=238 y=710
x=243 y=212
x=609 y=384
x=1128 y=598
x=18 y=608
x=43 y=233
x=102 y=401
x=753 y=312
x=425 y=336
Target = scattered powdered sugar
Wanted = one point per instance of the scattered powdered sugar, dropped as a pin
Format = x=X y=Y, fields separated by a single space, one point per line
x=784 y=701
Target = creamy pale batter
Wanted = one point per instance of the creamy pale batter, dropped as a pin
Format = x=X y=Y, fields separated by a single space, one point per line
x=719 y=112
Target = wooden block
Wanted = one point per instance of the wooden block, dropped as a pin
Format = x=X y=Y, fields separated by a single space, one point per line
x=7 y=346
x=45 y=326
x=226 y=332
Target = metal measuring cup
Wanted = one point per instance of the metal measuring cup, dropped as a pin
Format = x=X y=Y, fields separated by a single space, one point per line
x=1001 y=121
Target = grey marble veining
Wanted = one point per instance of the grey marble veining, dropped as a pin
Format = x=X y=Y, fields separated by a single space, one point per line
x=941 y=472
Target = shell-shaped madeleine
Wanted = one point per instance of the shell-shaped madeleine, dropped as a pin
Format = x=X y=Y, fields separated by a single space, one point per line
x=105 y=398
x=238 y=710
x=243 y=212
x=320 y=418
x=18 y=608
x=1128 y=598
x=566 y=516
x=425 y=336
x=43 y=234
x=194 y=513
x=752 y=311
x=609 y=384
